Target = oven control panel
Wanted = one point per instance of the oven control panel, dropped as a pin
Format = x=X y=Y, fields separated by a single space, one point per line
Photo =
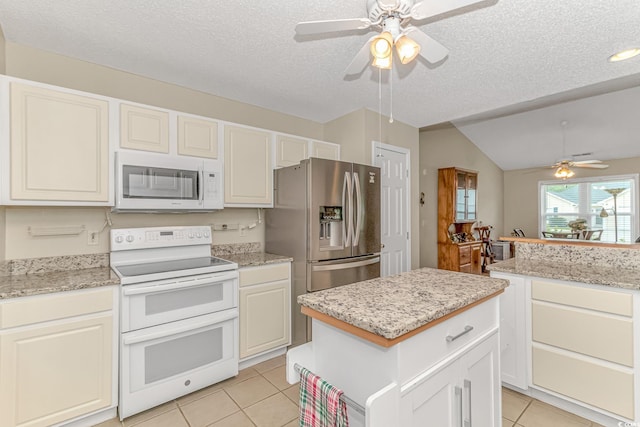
x=159 y=237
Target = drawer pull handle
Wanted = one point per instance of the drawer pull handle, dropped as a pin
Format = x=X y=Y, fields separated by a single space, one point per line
x=467 y=329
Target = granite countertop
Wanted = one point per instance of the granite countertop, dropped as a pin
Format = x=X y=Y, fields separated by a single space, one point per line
x=254 y=259
x=395 y=305
x=614 y=276
x=22 y=285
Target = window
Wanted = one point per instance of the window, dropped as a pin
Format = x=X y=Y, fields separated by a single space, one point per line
x=592 y=204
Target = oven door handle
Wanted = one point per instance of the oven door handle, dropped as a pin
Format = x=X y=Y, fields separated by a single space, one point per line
x=193 y=283
x=167 y=330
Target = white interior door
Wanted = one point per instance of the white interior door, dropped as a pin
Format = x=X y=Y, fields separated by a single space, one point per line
x=395 y=256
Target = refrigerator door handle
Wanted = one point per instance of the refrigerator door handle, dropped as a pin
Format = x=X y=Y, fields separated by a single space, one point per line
x=345 y=265
x=359 y=208
x=346 y=216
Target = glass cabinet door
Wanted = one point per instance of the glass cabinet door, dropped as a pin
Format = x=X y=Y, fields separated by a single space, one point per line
x=466 y=197
x=472 y=185
x=461 y=196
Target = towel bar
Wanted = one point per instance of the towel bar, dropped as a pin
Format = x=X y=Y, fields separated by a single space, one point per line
x=350 y=402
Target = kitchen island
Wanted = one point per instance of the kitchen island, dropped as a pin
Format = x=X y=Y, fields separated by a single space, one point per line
x=419 y=348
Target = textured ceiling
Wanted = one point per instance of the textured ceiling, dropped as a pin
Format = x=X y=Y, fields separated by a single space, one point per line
x=503 y=54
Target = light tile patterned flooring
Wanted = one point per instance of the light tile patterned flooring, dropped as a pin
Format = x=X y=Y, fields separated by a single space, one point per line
x=260 y=396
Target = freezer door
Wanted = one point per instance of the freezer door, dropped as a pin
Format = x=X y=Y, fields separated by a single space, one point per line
x=331 y=274
x=366 y=212
x=330 y=186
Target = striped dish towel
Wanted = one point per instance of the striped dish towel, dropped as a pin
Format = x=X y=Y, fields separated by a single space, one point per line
x=320 y=404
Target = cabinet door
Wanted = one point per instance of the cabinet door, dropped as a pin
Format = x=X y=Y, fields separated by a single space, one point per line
x=248 y=176
x=325 y=150
x=197 y=137
x=264 y=317
x=59 y=146
x=290 y=150
x=481 y=384
x=435 y=402
x=513 y=343
x=144 y=129
x=55 y=372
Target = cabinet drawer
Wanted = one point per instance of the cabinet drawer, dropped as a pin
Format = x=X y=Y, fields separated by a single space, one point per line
x=465 y=254
x=593 y=299
x=432 y=345
x=42 y=308
x=251 y=276
x=584 y=379
x=588 y=332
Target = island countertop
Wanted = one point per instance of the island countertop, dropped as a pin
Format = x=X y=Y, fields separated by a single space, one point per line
x=611 y=275
x=393 y=306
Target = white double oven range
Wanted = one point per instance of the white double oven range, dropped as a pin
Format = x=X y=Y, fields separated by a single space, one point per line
x=178 y=314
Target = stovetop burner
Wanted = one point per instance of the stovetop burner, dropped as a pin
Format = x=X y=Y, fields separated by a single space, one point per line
x=173 y=265
x=157 y=253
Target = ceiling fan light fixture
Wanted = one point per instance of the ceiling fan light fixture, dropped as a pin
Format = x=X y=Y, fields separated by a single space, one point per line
x=564 y=172
x=381 y=45
x=624 y=54
x=384 y=63
x=407 y=49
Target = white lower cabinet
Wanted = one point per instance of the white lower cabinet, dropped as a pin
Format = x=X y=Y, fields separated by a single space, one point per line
x=56 y=357
x=582 y=345
x=464 y=392
x=572 y=344
x=265 y=301
x=513 y=324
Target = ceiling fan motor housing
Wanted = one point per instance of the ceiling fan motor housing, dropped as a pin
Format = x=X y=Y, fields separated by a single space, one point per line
x=378 y=9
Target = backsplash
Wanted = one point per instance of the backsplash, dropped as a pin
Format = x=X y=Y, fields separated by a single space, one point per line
x=604 y=256
x=52 y=264
x=235 y=248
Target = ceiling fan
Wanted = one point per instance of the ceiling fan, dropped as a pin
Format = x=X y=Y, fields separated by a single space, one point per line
x=563 y=167
x=392 y=17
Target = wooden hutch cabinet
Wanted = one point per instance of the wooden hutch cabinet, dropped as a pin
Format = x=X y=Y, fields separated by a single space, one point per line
x=457 y=211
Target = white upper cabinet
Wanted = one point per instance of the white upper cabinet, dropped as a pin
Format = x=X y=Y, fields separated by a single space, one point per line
x=144 y=129
x=325 y=150
x=248 y=175
x=197 y=137
x=290 y=150
x=56 y=147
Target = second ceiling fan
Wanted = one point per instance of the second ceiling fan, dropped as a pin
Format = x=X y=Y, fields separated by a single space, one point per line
x=392 y=17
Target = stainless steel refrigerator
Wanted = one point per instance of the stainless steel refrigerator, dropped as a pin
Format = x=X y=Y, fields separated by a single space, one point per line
x=326 y=216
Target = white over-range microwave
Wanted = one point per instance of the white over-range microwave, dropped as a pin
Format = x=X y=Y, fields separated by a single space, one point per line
x=149 y=182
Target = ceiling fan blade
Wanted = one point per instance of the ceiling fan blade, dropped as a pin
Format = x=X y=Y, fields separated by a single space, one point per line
x=316 y=27
x=586 y=162
x=428 y=8
x=591 y=166
x=430 y=49
x=361 y=60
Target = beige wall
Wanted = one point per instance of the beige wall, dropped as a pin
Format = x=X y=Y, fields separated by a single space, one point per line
x=355 y=133
x=521 y=192
x=2 y=55
x=33 y=64
x=447 y=147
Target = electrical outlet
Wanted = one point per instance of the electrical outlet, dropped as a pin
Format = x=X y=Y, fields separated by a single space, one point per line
x=93 y=237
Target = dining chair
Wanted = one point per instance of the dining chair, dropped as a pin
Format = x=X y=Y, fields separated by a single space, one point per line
x=591 y=234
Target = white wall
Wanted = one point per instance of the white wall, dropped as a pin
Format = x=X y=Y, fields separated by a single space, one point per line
x=446 y=147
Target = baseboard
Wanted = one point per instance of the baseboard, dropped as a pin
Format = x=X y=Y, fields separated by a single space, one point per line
x=258 y=358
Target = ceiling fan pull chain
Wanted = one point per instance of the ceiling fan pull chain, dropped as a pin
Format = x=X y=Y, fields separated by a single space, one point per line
x=391 y=96
x=380 y=104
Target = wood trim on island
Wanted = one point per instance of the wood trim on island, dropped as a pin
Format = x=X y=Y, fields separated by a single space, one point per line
x=382 y=341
